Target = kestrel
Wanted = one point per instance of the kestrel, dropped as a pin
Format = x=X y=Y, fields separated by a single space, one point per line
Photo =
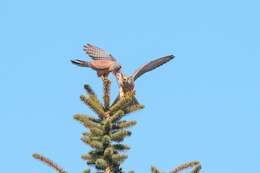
x=127 y=83
x=103 y=62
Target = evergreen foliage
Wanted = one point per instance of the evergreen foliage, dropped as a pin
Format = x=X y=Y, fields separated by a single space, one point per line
x=107 y=131
x=49 y=162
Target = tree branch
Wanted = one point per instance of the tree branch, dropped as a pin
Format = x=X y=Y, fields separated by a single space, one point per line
x=195 y=164
x=49 y=163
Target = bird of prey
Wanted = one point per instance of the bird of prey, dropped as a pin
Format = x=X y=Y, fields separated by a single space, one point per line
x=127 y=83
x=102 y=61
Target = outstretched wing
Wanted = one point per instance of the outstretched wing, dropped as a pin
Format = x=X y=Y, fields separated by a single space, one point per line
x=151 y=65
x=97 y=53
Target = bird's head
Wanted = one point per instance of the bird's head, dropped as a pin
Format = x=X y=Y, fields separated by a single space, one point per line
x=116 y=67
x=126 y=82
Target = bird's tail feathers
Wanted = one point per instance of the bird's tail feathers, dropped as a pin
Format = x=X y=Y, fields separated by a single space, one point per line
x=80 y=63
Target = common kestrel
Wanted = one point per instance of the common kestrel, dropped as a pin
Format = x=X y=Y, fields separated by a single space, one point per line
x=103 y=62
x=127 y=83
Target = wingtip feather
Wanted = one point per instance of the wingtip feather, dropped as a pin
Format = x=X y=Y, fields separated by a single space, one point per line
x=170 y=57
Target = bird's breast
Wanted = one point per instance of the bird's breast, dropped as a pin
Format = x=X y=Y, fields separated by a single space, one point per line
x=101 y=64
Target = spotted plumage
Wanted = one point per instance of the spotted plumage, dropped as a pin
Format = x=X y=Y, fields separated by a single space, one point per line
x=102 y=61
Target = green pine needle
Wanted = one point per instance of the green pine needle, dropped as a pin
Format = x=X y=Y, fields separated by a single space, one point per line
x=96 y=131
x=106 y=140
x=92 y=94
x=126 y=124
x=87 y=121
x=92 y=143
x=93 y=105
x=121 y=147
x=108 y=152
x=92 y=136
x=122 y=102
x=120 y=135
x=133 y=108
x=101 y=164
x=193 y=164
x=116 y=116
x=88 y=157
x=119 y=158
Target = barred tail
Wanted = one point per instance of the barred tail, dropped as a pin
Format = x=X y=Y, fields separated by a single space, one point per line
x=80 y=63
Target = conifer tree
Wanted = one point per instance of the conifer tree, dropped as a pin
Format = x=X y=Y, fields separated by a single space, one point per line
x=107 y=131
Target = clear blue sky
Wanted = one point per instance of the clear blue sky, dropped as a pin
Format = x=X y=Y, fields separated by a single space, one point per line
x=204 y=105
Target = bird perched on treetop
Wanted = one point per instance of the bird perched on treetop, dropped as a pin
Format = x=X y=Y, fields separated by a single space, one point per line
x=127 y=83
x=103 y=62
